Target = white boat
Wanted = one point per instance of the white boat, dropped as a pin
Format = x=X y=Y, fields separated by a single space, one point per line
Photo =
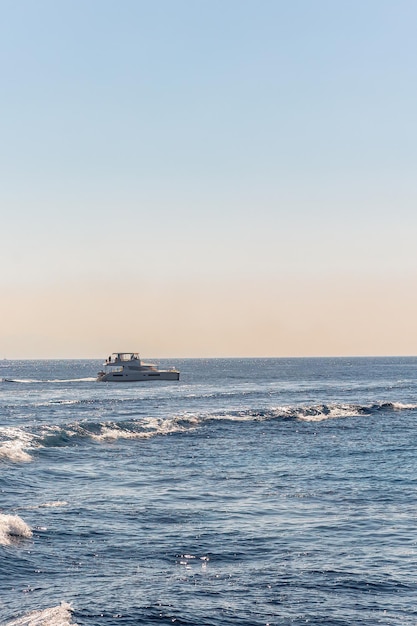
x=126 y=367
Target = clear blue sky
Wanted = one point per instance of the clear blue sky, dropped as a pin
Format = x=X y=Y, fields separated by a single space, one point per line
x=189 y=156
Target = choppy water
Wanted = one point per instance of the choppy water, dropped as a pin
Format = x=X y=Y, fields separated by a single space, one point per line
x=251 y=492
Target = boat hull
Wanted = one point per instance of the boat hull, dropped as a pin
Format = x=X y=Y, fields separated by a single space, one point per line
x=129 y=377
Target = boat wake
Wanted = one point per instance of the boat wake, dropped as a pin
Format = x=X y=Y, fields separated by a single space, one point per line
x=31 y=381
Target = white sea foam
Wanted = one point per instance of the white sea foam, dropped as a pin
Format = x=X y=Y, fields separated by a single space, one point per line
x=46 y=505
x=150 y=427
x=400 y=406
x=20 y=380
x=14 y=445
x=61 y=402
x=318 y=413
x=13 y=451
x=239 y=416
x=112 y=431
x=321 y=413
x=53 y=616
x=13 y=529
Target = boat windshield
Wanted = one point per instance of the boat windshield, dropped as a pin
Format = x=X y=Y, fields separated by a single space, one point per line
x=114 y=368
x=127 y=356
x=123 y=356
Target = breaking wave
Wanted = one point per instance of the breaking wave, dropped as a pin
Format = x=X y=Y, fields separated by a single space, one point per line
x=13 y=529
x=13 y=451
x=145 y=428
x=54 y=616
x=55 y=436
x=16 y=444
x=315 y=413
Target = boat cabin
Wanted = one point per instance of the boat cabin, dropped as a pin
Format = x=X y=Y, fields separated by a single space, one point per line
x=122 y=357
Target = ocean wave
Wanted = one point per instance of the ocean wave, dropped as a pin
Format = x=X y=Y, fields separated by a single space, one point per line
x=53 y=616
x=314 y=413
x=13 y=529
x=56 y=436
x=70 y=434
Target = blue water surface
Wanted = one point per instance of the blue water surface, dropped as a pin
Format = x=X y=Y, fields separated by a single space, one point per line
x=251 y=492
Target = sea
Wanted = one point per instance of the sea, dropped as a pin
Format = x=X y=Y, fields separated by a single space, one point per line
x=251 y=492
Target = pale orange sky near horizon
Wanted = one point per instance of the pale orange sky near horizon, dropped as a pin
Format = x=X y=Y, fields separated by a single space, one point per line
x=208 y=179
x=330 y=317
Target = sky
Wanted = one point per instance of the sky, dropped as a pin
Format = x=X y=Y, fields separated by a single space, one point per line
x=208 y=178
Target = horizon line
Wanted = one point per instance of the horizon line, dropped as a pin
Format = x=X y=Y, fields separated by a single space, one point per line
x=328 y=356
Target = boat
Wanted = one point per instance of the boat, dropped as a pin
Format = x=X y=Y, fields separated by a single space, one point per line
x=126 y=367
